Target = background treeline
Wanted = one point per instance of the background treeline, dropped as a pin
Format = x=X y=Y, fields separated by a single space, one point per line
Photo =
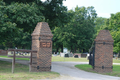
x=74 y=29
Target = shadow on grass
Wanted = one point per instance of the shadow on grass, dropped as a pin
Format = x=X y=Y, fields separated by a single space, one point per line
x=21 y=72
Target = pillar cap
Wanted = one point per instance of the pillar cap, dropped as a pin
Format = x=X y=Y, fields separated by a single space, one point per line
x=104 y=35
x=42 y=29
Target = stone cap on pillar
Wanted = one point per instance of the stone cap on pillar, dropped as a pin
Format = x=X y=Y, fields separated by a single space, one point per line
x=42 y=29
x=104 y=35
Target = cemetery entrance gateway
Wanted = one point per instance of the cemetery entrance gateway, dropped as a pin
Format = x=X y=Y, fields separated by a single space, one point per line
x=42 y=43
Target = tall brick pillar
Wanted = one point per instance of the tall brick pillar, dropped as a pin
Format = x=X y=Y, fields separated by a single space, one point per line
x=103 y=52
x=42 y=42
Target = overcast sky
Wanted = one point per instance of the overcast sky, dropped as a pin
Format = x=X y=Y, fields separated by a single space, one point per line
x=103 y=7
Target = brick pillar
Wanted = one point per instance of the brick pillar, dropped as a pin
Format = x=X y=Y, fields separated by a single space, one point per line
x=42 y=42
x=103 y=52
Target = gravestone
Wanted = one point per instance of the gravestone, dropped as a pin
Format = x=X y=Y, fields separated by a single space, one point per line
x=66 y=55
x=103 y=52
x=84 y=55
x=76 y=56
x=70 y=54
x=42 y=43
x=62 y=54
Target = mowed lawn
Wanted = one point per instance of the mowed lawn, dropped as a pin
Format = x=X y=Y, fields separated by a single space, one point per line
x=72 y=59
x=88 y=68
x=21 y=72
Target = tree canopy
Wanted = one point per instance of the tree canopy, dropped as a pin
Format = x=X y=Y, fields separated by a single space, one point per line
x=19 y=18
x=73 y=29
x=78 y=33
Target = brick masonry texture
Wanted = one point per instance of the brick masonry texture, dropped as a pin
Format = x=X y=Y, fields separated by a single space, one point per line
x=103 y=52
x=42 y=42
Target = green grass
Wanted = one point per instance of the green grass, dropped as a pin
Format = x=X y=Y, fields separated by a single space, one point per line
x=58 y=58
x=88 y=68
x=15 y=58
x=21 y=72
x=116 y=60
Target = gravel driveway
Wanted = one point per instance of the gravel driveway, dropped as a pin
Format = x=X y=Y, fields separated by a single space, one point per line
x=69 y=72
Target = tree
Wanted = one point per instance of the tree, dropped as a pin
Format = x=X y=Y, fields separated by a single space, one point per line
x=19 y=18
x=57 y=43
x=79 y=31
x=60 y=34
x=26 y=16
x=114 y=27
x=55 y=13
x=99 y=22
x=17 y=22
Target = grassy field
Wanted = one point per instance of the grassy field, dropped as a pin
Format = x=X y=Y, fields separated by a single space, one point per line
x=21 y=72
x=16 y=58
x=88 y=68
x=58 y=58
x=116 y=60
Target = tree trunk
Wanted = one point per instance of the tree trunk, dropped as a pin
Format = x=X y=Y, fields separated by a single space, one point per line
x=75 y=50
x=61 y=48
x=83 y=50
x=119 y=54
x=79 y=50
x=71 y=50
x=56 y=50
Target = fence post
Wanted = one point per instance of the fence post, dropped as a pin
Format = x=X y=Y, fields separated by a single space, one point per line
x=13 y=62
x=30 y=65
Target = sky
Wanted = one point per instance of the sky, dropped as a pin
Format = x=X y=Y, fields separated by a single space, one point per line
x=103 y=7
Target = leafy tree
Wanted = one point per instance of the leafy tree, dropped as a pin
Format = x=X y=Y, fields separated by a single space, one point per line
x=79 y=31
x=114 y=27
x=57 y=43
x=17 y=22
x=60 y=33
x=55 y=13
x=99 y=22
x=26 y=16
x=18 y=19
x=20 y=1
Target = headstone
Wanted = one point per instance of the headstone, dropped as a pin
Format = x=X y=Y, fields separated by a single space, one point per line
x=70 y=54
x=42 y=43
x=103 y=52
x=79 y=55
x=84 y=55
x=76 y=56
x=62 y=54
x=66 y=55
